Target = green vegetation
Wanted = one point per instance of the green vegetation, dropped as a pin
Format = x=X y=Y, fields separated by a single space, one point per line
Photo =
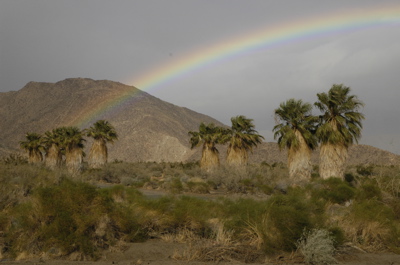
x=262 y=209
x=64 y=145
x=102 y=132
x=296 y=132
x=242 y=137
x=33 y=145
x=208 y=136
x=340 y=126
x=336 y=128
x=47 y=212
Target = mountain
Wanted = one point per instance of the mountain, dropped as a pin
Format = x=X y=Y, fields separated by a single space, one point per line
x=149 y=129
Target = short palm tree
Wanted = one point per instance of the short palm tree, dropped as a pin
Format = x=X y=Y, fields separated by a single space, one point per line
x=339 y=127
x=243 y=137
x=295 y=131
x=33 y=145
x=72 y=141
x=53 y=144
x=102 y=132
x=209 y=135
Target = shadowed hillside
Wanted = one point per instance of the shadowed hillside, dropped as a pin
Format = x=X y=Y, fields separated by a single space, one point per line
x=149 y=129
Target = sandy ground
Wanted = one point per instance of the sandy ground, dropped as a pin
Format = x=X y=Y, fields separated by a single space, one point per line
x=158 y=252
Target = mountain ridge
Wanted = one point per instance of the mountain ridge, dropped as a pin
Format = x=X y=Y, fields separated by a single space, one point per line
x=149 y=128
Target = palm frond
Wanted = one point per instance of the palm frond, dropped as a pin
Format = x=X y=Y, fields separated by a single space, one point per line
x=294 y=116
x=340 y=122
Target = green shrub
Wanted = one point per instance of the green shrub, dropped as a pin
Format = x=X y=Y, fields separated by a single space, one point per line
x=372 y=210
x=175 y=186
x=173 y=214
x=337 y=235
x=369 y=191
x=334 y=190
x=72 y=217
x=266 y=189
x=287 y=218
x=365 y=171
x=350 y=178
x=277 y=223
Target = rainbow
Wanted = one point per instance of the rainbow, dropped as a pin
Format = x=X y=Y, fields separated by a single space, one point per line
x=264 y=38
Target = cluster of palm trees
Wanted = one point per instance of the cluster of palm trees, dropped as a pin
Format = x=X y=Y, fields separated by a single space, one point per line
x=67 y=143
x=298 y=130
x=338 y=127
x=335 y=129
x=242 y=137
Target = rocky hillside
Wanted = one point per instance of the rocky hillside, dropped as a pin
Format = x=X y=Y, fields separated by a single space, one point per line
x=149 y=129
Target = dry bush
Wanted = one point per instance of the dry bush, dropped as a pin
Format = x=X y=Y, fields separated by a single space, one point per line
x=18 y=182
x=249 y=179
x=207 y=250
x=257 y=232
x=219 y=233
x=367 y=235
x=389 y=183
x=317 y=247
x=369 y=225
x=183 y=235
x=14 y=159
x=220 y=246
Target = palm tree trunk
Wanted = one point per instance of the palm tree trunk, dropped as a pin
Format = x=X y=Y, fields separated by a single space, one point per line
x=35 y=157
x=98 y=154
x=53 y=157
x=74 y=160
x=332 y=161
x=299 y=161
x=236 y=157
x=209 y=158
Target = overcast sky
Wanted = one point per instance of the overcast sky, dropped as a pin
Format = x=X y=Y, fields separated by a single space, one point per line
x=48 y=41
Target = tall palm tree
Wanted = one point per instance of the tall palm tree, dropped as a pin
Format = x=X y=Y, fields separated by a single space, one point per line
x=243 y=137
x=53 y=145
x=209 y=135
x=339 y=127
x=72 y=141
x=295 y=131
x=102 y=132
x=33 y=145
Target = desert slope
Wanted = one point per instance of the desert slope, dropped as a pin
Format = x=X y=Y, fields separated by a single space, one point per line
x=149 y=129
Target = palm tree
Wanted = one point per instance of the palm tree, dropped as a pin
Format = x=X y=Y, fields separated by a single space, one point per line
x=339 y=127
x=209 y=135
x=295 y=131
x=242 y=139
x=53 y=145
x=102 y=132
x=72 y=141
x=33 y=145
